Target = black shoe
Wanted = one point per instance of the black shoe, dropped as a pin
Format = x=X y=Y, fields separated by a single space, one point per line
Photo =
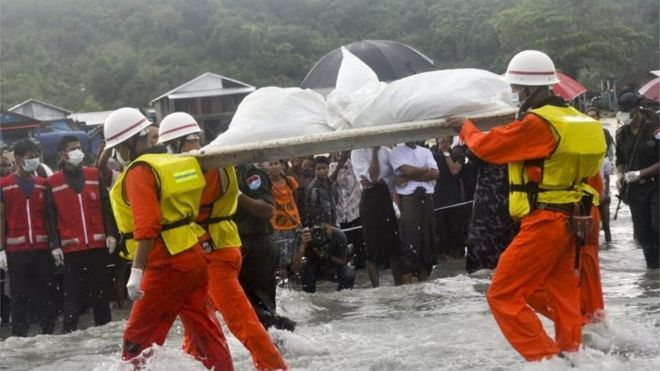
x=284 y=323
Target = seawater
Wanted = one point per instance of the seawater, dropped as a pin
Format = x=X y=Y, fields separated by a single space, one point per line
x=441 y=324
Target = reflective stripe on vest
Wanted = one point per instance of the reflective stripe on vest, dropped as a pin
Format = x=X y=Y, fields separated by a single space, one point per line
x=80 y=225
x=578 y=156
x=180 y=183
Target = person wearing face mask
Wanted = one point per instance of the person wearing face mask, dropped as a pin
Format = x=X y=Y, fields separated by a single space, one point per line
x=180 y=133
x=26 y=222
x=155 y=200
x=86 y=233
x=638 y=168
x=549 y=160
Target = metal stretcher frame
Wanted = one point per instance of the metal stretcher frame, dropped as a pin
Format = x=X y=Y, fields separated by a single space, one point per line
x=342 y=140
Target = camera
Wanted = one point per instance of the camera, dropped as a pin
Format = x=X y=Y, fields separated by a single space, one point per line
x=318 y=236
x=308 y=173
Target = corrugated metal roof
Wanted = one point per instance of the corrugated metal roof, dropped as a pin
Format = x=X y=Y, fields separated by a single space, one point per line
x=211 y=93
x=91 y=118
x=207 y=85
x=44 y=112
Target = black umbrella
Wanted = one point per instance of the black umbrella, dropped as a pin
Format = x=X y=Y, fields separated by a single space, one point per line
x=390 y=60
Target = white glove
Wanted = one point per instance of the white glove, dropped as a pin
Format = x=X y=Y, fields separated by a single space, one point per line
x=58 y=256
x=111 y=243
x=632 y=176
x=133 y=285
x=3 y=260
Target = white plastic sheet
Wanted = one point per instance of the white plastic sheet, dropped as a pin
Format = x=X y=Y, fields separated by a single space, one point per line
x=357 y=87
x=275 y=113
x=359 y=100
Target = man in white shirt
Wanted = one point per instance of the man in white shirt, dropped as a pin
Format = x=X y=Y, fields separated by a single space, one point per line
x=348 y=204
x=379 y=223
x=415 y=171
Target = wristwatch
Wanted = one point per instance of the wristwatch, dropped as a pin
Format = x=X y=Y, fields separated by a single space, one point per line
x=446 y=154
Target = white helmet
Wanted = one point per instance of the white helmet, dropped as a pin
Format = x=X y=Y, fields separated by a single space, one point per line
x=531 y=68
x=177 y=125
x=123 y=124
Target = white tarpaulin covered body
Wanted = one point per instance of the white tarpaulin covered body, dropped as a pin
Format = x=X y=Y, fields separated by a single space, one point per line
x=275 y=113
x=360 y=100
x=275 y=121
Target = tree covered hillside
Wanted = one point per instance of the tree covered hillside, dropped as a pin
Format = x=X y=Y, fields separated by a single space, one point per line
x=93 y=55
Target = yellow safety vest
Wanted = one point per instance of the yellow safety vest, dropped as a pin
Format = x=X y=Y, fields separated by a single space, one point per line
x=220 y=226
x=180 y=182
x=578 y=156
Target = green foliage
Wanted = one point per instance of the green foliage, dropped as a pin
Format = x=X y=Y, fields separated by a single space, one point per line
x=93 y=54
x=588 y=42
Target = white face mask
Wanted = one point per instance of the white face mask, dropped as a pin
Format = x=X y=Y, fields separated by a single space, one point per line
x=624 y=117
x=515 y=99
x=31 y=164
x=121 y=160
x=76 y=157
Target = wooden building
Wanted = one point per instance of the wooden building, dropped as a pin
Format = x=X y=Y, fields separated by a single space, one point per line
x=53 y=117
x=212 y=99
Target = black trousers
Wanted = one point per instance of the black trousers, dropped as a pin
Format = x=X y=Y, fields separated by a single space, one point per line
x=451 y=230
x=32 y=280
x=5 y=301
x=86 y=281
x=417 y=225
x=311 y=273
x=644 y=208
x=258 y=271
x=380 y=229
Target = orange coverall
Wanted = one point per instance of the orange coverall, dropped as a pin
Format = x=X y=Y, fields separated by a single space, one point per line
x=542 y=253
x=228 y=296
x=592 y=304
x=172 y=285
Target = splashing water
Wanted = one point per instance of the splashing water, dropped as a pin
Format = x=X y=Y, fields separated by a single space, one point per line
x=441 y=324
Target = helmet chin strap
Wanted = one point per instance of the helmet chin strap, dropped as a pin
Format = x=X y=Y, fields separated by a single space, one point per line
x=527 y=103
x=131 y=147
x=175 y=146
x=178 y=145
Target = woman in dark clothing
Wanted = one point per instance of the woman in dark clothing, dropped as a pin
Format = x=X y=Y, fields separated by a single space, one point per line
x=491 y=227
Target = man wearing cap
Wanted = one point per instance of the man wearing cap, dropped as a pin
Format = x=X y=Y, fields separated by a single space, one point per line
x=548 y=162
x=638 y=168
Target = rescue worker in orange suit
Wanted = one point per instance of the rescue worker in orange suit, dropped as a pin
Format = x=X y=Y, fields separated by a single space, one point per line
x=26 y=221
x=592 y=304
x=155 y=201
x=549 y=161
x=86 y=229
x=222 y=244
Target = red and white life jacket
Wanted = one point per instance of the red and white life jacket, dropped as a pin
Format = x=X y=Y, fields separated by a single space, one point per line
x=79 y=215
x=26 y=222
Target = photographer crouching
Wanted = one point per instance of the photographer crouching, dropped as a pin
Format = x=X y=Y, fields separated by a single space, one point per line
x=321 y=254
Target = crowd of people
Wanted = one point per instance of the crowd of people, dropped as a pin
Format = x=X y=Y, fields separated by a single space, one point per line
x=224 y=239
